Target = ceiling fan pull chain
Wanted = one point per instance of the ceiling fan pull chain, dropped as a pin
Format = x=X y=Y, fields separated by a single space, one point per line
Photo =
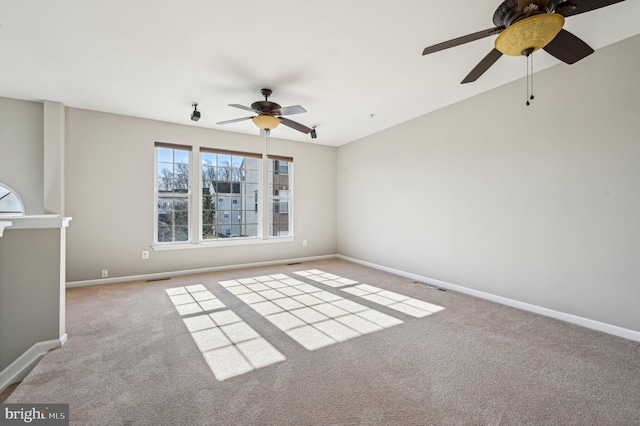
x=531 y=97
x=267 y=140
x=527 y=103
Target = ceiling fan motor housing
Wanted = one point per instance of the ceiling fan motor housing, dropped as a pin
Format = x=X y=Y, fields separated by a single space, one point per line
x=266 y=107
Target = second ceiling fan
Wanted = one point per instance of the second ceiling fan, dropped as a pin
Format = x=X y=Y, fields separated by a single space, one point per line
x=525 y=26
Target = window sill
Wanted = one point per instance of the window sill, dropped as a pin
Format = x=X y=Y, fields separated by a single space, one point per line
x=219 y=243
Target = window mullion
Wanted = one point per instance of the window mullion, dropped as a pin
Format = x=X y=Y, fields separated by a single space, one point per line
x=265 y=197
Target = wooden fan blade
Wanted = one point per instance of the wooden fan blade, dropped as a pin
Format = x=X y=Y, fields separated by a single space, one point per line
x=295 y=125
x=242 y=107
x=235 y=120
x=483 y=66
x=583 y=6
x=462 y=40
x=568 y=48
x=290 y=110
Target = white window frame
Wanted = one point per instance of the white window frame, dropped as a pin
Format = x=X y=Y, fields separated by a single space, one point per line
x=157 y=197
x=196 y=239
x=290 y=175
x=231 y=211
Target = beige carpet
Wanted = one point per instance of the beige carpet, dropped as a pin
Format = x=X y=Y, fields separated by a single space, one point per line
x=137 y=354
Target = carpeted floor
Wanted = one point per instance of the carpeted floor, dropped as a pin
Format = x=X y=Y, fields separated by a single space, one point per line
x=138 y=355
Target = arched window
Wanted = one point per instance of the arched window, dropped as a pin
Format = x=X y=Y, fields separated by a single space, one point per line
x=10 y=202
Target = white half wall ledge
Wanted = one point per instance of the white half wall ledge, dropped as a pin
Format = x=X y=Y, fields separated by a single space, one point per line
x=563 y=316
x=18 y=369
x=38 y=221
x=165 y=275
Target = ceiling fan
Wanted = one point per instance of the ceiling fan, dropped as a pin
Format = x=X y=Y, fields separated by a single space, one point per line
x=525 y=26
x=270 y=115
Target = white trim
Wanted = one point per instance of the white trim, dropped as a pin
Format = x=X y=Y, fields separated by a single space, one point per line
x=39 y=221
x=162 y=275
x=222 y=242
x=18 y=369
x=4 y=224
x=188 y=196
x=574 y=319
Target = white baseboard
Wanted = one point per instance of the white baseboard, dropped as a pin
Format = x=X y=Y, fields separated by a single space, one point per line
x=574 y=319
x=18 y=369
x=161 y=275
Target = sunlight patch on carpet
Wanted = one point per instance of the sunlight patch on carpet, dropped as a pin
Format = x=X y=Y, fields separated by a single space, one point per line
x=399 y=302
x=229 y=345
x=310 y=315
x=313 y=317
x=193 y=299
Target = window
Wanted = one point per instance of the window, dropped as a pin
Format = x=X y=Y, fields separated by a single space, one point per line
x=10 y=202
x=233 y=179
x=173 y=193
x=279 y=190
x=229 y=204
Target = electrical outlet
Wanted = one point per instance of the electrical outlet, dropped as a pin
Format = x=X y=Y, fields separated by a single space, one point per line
x=304 y=243
x=105 y=273
x=145 y=254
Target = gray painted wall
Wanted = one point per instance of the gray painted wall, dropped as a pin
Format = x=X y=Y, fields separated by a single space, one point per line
x=22 y=152
x=29 y=290
x=538 y=204
x=109 y=194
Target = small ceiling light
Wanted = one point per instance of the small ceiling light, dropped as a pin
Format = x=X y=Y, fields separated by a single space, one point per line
x=266 y=122
x=195 y=115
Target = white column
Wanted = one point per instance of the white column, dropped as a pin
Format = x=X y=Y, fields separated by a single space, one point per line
x=54 y=142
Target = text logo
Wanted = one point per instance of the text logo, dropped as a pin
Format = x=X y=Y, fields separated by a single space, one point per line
x=34 y=414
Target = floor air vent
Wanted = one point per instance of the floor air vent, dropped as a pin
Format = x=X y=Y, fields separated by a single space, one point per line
x=158 y=279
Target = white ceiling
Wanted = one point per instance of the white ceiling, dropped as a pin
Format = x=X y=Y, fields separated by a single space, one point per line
x=344 y=61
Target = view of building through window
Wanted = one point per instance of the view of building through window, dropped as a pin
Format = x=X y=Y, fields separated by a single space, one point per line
x=230 y=185
x=279 y=197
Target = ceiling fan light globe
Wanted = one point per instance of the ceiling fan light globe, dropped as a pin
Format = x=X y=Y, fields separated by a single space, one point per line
x=534 y=32
x=266 y=122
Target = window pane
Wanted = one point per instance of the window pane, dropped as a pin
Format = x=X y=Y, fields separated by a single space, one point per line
x=206 y=172
x=182 y=233
x=181 y=218
x=252 y=163
x=165 y=233
x=181 y=204
x=280 y=173
x=224 y=160
x=180 y=156
x=222 y=173
x=173 y=179
x=229 y=204
x=10 y=203
x=208 y=158
x=237 y=162
x=165 y=170
x=165 y=155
